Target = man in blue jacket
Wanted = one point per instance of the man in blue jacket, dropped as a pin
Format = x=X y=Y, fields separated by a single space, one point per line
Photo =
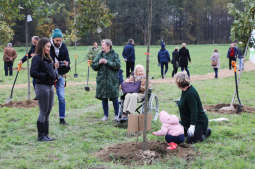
x=232 y=54
x=163 y=59
x=129 y=57
x=60 y=56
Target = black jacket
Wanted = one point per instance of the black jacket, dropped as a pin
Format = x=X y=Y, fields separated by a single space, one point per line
x=63 y=55
x=42 y=71
x=175 y=60
x=31 y=51
x=184 y=57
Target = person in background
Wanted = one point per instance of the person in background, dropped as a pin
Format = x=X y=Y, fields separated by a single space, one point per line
x=171 y=129
x=129 y=57
x=184 y=57
x=175 y=61
x=60 y=56
x=107 y=65
x=93 y=51
x=9 y=56
x=42 y=70
x=232 y=54
x=215 y=62
x=163 y=59
x=193 y=117
x=240 y=51
x=31 y=54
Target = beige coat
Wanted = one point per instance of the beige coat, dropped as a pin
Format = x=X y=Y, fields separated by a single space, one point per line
x=9 y=54
x=216 y=57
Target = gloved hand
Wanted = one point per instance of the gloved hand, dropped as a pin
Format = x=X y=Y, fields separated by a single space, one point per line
x=191 y=130
x=89 y=62
x=19 y=66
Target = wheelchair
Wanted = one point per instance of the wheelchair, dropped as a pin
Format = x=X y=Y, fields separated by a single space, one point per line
x=153 y=106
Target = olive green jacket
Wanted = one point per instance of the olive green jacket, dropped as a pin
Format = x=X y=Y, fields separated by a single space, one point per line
x=107 y=75
x=191 y=109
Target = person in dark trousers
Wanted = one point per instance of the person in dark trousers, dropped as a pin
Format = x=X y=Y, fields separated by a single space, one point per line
x=9 y=56
x=107 y=65
x=232 y=54
x=31 y=53
x=193 y=117
x=60 y=56
x=215 y=62
x=42 y=70
x=129 y=57
x=175 y=61
x=163 y=59
x=184 y=57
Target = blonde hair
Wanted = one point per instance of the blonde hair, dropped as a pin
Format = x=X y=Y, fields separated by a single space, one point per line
x=182 y=79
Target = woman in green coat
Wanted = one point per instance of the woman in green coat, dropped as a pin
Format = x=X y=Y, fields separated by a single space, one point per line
x=107 y=65
x=193 y=117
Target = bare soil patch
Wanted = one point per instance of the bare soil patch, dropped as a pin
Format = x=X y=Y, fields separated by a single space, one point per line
x=127 y=153
x=21 y=104
x=220 y=108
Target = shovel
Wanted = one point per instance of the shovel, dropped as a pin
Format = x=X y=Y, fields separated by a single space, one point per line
x=87 y=85
x=10 y=98
x=240 y=106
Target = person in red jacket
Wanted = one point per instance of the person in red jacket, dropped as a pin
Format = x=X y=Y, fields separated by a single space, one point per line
x=9 y=56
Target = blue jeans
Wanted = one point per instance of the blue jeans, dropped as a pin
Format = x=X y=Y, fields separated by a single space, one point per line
x=176 y=139
x=115 y=103
x=241 y=65
x=60 y=88
x=216 y=72
x=164 y=64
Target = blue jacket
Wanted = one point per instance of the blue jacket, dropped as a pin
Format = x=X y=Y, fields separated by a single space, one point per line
x=163 y=55
x=129 y=52
x=235 y=52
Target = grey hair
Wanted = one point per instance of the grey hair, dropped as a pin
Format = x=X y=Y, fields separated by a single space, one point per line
x=36 y=38
x=184 y=44
x=182 y=79
x=9 y=45
x=137 y=67
x=108 y=42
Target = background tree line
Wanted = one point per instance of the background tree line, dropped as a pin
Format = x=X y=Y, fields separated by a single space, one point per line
x=175 y=21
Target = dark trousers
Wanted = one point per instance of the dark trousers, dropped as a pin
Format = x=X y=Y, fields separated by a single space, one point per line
x=115 y=103
x=216 y=72
x=186 y=68
x=176 y=139
x=130 y=66
x=199 y=134
x=175 y=69
x=8 y=68
x=230 y=62
x=164 y=64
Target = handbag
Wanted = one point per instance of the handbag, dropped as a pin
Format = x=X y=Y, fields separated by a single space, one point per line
x=214 y=63
x=131 y=87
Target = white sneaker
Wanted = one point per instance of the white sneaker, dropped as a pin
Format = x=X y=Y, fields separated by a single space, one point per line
x=105 y=118
x=116 y=118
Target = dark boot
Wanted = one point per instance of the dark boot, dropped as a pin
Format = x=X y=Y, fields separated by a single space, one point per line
x=46 y=131
x=41 y=134
x=208 y=132
x=62 y=121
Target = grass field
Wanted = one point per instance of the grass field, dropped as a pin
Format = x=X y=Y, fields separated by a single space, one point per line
x=232 y=144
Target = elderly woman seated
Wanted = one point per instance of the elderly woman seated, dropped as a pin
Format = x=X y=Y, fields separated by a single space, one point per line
x=131 y=99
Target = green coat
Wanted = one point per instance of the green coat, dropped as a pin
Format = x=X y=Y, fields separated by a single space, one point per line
x=107 y=75
x=92 y=53
x=191 y=110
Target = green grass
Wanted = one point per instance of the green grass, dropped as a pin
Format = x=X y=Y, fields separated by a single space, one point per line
x=232 y=144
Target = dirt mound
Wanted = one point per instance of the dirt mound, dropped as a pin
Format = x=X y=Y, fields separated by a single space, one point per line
x=225 y=108
x=127 y=153
x=22 y=104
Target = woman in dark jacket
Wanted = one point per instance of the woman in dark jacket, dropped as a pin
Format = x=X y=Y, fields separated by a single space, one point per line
x=107 y=65
x=184 y=57
x=43 y=72
x=175 y=61
x=193 y=117
x=163 y=59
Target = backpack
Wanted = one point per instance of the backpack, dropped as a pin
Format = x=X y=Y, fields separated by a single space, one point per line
x=232 y=52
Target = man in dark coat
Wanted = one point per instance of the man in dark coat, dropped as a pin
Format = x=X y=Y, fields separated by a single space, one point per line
x=60 y=56
x=163 y=59
x=107 y=65
x=184 y=57
x=232 y=54
x=175 y=61
x=129 y=57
